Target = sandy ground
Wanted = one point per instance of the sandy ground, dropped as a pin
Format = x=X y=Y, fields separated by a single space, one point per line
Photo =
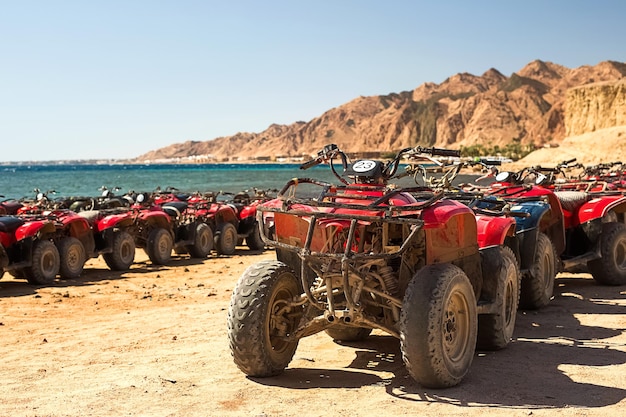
x=152 y=342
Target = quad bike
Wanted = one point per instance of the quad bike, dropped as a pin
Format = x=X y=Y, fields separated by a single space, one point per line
x=538 y=236
x=594 y=213
x=245 y=205
x=366 y=255
x=585 y=224
x=73 y=236
x=192 y=233
x=27 y=249
x=219 y=216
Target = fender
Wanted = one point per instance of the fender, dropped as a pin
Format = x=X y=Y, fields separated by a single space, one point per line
x=113 y=220
x=31 y=229
x=437 y=215
x=226 y=214
x=155 y=216
x=247 y=211
x=492 y=231
x=535 y=211
x=600 y=206
x=78 y=226
x=451 y=232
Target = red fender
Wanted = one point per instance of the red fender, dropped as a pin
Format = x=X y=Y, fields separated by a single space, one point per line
x=492 y=231
x=248 y=211
x=31 y=229
x=598 y=207
x=112 y=220
x=156 y=216
x=437 y=215
x=451 y=233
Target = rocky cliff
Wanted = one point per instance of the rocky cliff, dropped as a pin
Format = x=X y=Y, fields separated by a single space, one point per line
x=528 y=107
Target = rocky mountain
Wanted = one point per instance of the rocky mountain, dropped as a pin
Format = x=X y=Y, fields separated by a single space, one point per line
x=529 y=107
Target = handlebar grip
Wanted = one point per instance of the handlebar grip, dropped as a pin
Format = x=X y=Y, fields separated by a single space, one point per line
x=442 y=152
x=310 y=163
x=491 y=162
x=568 y=161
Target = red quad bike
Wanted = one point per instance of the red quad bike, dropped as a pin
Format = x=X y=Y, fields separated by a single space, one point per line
x=245 y=205
x=363 y=255
x=223 y=220
x=594 y=213
x=192 y=234
x=219 y=216
x=73 y=236
x=27 y=249
x=152 y=229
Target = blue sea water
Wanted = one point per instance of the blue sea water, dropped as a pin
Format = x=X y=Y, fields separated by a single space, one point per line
x=19 y=181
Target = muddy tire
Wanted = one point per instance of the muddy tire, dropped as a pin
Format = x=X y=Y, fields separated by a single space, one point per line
x=45 y=263
x=159 y=246
x=260 y=320
x=226 y=239
x=495 y=331
x=72 y=258
x=438 y=326
x=203 y=242
x=254 y=240
x=348 y=333
x=538 y=286
x=610 y=269
x=122 y=253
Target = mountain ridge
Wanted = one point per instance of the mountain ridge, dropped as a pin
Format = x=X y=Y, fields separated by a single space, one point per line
x=528 y=108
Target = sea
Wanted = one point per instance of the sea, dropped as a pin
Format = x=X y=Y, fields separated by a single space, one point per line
x=64 y=180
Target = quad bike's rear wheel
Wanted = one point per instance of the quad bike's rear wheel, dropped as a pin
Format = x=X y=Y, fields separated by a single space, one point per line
x=610 y=269
x=496 y=330
x=72 y=257
x=254 y=240
x=226 y=239
x=203 y=242
x=438 y=326
x=45 y=263
x=261 y=321
x=538 y=287
x=159 y=246
x=348 y=333
x=122 y=253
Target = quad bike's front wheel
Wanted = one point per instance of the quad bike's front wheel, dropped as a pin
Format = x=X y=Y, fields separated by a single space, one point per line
x=72 y=257
x=203 y=242
x=438 y=326
x=159 y=246
x=45 y=263
x=610 y=269
x=226 y=239
x=538 y=286
x=495 y=331
x=122 y=253
x=262 y=319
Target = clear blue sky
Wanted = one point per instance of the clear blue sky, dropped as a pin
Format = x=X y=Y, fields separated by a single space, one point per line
x=115 y=79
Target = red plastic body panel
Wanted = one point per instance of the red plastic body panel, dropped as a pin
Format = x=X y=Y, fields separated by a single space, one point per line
x=30 y=229
x=598 y=207
x=492 y=231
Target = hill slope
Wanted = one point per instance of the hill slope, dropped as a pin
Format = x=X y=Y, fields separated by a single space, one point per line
x=528 y=108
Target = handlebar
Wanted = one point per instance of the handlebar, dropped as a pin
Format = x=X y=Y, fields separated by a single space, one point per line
x=438 y=151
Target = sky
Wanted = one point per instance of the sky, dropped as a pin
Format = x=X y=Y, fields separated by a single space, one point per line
x=115 y=79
